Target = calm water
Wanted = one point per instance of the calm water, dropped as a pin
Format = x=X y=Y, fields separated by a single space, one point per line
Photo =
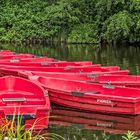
x=78 y=125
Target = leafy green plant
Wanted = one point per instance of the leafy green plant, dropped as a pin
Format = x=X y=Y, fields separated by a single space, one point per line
x=84 y=33
x=118 y=26
x=130 y=136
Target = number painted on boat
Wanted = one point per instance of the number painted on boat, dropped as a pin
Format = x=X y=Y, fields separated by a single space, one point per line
x=108 y=86
x=105 y=124
x=45 y=63
x=104 y=101
x=68 y=68
x=14 y=60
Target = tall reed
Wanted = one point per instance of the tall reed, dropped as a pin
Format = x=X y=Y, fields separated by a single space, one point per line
x=15 y=130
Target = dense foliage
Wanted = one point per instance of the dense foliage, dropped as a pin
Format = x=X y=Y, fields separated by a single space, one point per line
x=78 y=21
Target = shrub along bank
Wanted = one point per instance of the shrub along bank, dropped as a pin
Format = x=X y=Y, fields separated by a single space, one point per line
x=75 y=21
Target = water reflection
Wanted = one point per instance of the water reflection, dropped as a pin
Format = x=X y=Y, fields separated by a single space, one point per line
x=81 y=120
x=125 y=57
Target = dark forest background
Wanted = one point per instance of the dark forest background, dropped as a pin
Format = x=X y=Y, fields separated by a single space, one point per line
x=73 y=21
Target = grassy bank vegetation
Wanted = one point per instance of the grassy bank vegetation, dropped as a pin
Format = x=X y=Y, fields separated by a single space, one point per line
x=14 y=130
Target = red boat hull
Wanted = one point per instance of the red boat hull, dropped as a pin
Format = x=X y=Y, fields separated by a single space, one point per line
x=89 y=77
x=79 y=69
x=100 y=77
x=6 y=52
x=119 y=80
x=13 y=61
x=47 y=64
x=25 y=73
x=22 y=97
x=43 y=61
x=18 y=56
x=92 y=97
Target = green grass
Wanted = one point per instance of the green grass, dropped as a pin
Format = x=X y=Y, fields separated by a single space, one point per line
x=11 y=129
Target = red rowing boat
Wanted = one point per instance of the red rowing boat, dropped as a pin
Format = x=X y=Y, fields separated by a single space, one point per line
x=99 y=77
x=85 y=68
x=6 y=52
x=19 y=96
x=119 y=80
x=25 y=73
x=63 y=116
x=13 y=61
x=85 y=77
x=46 y=64
x=43 y=61
x=16 y=56
x=93 y=97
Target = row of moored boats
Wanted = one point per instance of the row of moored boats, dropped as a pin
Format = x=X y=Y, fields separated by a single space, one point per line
x=30 y=83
